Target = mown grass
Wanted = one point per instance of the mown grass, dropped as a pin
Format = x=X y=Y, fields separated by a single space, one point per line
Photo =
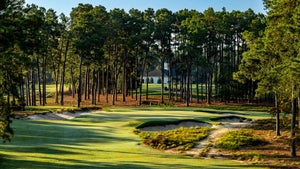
x=99 y=140
x=239 y=108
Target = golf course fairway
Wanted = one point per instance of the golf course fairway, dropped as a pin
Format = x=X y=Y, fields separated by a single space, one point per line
x=102 y=139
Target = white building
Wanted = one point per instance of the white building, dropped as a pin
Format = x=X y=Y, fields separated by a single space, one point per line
x=156 y=75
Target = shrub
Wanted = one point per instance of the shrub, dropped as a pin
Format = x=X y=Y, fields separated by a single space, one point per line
x=234 y=140
x=252 y=156
x=182 y=138
x=158 y=81
x=165 y=104
x=151 y=80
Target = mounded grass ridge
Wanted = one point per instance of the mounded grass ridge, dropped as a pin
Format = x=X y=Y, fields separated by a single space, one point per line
x=100 y=140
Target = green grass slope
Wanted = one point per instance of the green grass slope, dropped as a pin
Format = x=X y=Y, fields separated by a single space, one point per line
x=99 y=140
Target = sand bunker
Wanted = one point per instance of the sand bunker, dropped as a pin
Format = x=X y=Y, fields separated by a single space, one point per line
x=56 y=116
x=185 y=124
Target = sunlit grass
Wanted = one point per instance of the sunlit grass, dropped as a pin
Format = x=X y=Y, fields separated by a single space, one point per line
x=51 y=108
x=100 y=140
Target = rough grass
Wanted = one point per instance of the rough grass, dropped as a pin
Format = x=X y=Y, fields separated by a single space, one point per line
x=182 y=138
x=98 y=140
x=274 y=154
x=237 y=139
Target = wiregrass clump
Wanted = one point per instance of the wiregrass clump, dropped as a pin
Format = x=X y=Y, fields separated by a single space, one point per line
x=234 y=140
x=181 y=138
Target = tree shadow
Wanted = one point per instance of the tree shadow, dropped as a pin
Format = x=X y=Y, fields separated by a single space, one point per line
x=7 y=162
x=54 y=139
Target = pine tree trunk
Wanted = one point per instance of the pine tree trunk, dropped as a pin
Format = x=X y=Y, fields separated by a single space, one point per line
x=113 y=88
x=197 y=83
x=191 y=88
x=79 y=82
x=202 y=88
x=188 y=89
x=293 y=124
x=39 y=80
x=277 y=116
x=162 y=80
x=147 y=81
x=106 y=86
x=73 y=83
x=44 y=81
x=99 y=88
x=63 y=73
x=116 y=86
x=86 y=84
x=28 y=98
x=124 y=83
x=209 y=88
x=22 y=94
x=169 y=81
x=176 y=87
x=136 y=79
x=56 y=85
x=131 y=86
x=141 y=89
x=299 y=110
x=33 y=95
x=103 y=82
x=94 y=87
x=181 y=87
x=136 y=88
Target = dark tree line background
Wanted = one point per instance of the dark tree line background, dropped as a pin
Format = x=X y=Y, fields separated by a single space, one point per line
x=98 y=52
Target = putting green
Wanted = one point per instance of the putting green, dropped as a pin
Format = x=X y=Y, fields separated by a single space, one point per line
x=98 y=140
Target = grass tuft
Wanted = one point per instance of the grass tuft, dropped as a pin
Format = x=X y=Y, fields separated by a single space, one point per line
x=252 y=156
x=234 y=140
x=182 y=138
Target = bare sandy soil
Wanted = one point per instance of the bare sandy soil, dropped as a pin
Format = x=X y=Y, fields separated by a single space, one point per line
x=56 y=116
x=204 y=147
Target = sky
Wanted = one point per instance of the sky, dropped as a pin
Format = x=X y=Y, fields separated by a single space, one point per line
x=65 y=6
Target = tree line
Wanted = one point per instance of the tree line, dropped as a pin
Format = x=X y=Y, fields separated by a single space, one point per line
x=273 y=61
x=228 y=56
x=96 y=51
x=99 y=51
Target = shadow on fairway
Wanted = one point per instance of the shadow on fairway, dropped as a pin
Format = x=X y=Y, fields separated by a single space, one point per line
x=7 y=162
x=98 y=140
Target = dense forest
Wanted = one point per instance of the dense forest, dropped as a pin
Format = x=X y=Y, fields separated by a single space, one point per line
x=227 y=56
x=96 y=51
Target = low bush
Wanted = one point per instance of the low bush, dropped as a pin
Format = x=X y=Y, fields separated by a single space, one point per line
x=165 y=104
x=234 y=140
x=252 y=156
x=159 y=81
x=182 y=138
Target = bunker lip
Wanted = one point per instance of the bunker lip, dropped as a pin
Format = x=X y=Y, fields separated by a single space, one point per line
x=174 y=125
x=57 y=116
x=220 y=112
x=230 y=118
